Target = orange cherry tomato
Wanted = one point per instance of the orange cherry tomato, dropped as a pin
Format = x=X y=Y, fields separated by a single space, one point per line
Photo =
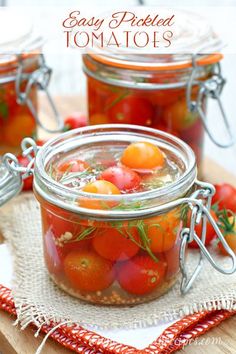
x=98 y=187
x=116 y=245
x=19 y=126
x=142 y=155
x=230 y=236
x=141 y=275
x=87 y=271
x=162 y=232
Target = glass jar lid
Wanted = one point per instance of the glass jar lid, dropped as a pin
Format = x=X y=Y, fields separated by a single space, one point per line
x=24 y=41
x=78 y=141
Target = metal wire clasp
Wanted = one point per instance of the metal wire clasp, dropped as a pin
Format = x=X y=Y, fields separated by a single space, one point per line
x=200 y=212
x=12 y=173
x=209 y=88
x=40 y=78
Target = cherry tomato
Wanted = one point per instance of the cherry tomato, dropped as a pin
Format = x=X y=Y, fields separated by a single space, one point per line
x=229 y=230
x=193 y=134
x=59 y=225
x=142 y=155
x=28 y=182
x=141 y=275
x=162 y=232
x=172 y=259
x=87 y=271
x=53 y=254
x=230 y=238
x=98 y=187
x=122 y=177
x=132 y=110
x=76 y=120
x=178 y=117
x=73 y=166
x=98 y=118
x=210 y=232
x=20 y=125
x=165 y=128
x=101 y=187
x=116 y=245
x=40 y=142
x=225 y=197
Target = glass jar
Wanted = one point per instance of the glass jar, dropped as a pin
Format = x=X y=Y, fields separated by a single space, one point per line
x=158 y=91
x=124 y=249
x=16 y=119
x=23 y=72
x=166 y=88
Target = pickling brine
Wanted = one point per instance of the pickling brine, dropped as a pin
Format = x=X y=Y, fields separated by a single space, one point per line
x=113 y=262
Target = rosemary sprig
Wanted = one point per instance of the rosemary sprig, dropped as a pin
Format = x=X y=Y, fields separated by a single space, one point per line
x=88 y=231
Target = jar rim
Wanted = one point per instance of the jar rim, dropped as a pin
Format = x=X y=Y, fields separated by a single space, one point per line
x=202 y=60
x=59 y=194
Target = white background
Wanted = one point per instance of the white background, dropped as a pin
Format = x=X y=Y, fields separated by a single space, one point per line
x=68 y=77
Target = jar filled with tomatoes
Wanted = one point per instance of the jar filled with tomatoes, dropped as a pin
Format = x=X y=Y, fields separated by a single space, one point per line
x=104 y=242
x=115 y=227
x=23 y=72
x=163 y=91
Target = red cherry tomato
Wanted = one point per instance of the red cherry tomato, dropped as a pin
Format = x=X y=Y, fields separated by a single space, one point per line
x=225 y=196
x=52 y=254
x=111 y=244
x=165 y=128
x=141 y=275
x=40 y=142
x=73 y=166
x=122 y=177
x=28 y=182
x=210 y=233
x=132 y=110
x=76 y=120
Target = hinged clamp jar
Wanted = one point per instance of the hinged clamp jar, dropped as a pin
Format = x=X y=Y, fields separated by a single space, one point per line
x=70 y=228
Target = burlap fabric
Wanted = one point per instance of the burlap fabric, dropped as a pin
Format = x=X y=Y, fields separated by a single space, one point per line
x=38 y=300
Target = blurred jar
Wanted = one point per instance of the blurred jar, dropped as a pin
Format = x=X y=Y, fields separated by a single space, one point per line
x=23 y=72
x=169 y=92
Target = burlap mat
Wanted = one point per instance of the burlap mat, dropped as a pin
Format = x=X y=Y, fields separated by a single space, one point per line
x=38 y=300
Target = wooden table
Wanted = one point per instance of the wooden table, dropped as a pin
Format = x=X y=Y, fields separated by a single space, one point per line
x=14 y=341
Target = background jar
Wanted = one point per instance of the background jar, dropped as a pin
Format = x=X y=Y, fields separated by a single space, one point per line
x=71 y=231
x=16 y=119
x=157 y=92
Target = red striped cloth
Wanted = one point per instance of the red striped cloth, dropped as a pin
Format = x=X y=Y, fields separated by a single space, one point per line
x=81 y=340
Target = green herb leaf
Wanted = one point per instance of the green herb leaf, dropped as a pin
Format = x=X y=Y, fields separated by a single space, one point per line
x=3 y=110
